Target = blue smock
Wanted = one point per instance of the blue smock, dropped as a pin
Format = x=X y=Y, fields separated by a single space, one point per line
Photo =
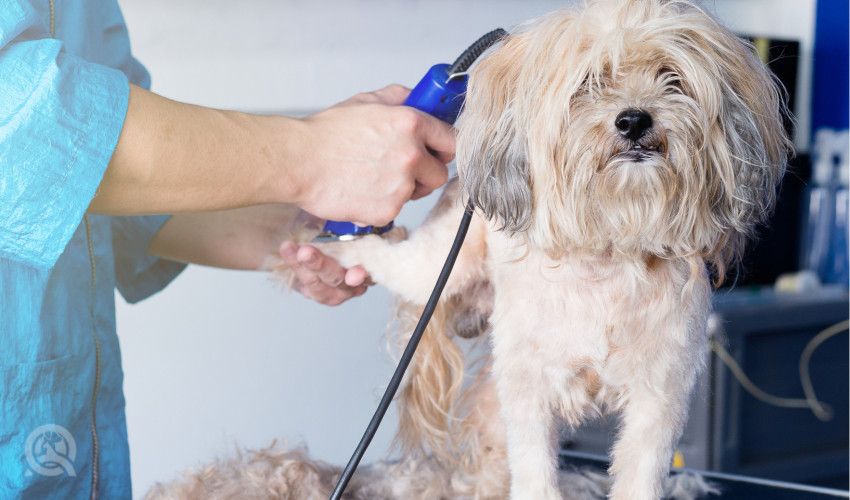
x=63 y=98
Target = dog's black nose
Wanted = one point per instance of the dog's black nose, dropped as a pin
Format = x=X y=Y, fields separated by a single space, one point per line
x=633 y=123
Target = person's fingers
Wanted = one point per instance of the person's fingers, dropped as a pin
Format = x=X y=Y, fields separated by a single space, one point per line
x=356 y=291
x=391 y=154
x=392 y=95
x=430 y=175
x=305 y=277
x=440 y=138
x=287 y=251
x=321 y=278
x=357 y=277
x=328 y=296
x=423 y=160
x=327 y=269
x=307 y=282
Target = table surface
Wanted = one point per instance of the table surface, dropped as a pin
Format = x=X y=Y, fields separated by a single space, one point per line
x=732 y=487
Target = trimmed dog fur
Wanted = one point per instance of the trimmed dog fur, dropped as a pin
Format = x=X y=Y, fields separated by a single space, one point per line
x=618 y=155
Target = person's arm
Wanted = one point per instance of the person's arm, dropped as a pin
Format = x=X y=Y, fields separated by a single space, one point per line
x=244 y=238
x=360 y=160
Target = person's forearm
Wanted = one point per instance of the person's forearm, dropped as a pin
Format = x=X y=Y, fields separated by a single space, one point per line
x=175 y=157
x=240 y=238
x=359 y=160
x=245 y=238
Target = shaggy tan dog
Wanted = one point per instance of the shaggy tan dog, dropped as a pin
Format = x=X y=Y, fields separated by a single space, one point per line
x=618 y=156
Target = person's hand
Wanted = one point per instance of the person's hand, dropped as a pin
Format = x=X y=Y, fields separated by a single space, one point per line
x=365 y=157
x=320 y=277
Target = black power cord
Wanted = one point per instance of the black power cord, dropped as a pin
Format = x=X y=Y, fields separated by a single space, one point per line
x=406 y=357
x=461 y=65
x=464 y=62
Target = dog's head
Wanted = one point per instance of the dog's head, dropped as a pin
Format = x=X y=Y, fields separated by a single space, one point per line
x=640 y=127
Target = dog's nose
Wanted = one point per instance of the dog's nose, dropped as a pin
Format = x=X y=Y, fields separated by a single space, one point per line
x=633 y=123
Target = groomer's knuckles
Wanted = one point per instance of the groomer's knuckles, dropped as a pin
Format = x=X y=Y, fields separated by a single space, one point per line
x=438 y=136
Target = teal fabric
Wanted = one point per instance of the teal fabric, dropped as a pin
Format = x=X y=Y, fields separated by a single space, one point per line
x=63 y=100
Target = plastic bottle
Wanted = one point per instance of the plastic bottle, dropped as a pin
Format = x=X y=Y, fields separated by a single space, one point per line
x=819 y=207
x=837 y=271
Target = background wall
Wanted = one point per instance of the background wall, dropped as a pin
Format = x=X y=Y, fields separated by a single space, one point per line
x=223 y=357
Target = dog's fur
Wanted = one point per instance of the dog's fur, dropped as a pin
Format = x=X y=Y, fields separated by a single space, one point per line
x=593 y=248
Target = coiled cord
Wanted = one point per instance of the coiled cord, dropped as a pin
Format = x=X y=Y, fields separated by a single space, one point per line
x=464 y=62
x=821 y=410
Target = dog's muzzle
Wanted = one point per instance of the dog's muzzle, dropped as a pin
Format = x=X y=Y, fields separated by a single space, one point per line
x=633 y=124
x=638 y=136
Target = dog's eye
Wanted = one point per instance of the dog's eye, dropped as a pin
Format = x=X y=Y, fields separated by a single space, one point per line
x=592 y=84
x=670 y=79
x=584 y=88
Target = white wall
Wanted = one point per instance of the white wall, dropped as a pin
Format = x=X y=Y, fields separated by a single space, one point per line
x=223 y=357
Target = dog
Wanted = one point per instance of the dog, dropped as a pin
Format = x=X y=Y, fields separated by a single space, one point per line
x=618 y=156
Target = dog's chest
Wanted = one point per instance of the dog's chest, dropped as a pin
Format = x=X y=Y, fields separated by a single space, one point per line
x=574 y=310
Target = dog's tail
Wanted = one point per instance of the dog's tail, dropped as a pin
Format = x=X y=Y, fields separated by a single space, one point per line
x=428 y=399
x=444 y=414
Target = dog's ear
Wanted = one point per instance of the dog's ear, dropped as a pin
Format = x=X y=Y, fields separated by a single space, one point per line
x=492 y=154
x=755 y=145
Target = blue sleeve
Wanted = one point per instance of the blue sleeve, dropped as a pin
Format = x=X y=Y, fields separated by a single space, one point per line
x=139 y=275
x=60 y=118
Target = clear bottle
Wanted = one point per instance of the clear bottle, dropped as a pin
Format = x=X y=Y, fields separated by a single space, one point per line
x=819 y=206
x=837 y=271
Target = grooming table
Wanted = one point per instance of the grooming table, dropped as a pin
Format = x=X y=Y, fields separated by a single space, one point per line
x=732 y=487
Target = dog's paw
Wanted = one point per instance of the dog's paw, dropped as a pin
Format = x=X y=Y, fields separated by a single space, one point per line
x=688 y=486
x=346 y=253
x=361 y=250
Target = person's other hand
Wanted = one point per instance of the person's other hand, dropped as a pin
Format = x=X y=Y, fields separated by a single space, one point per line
x=362 y=159
x=321 y=278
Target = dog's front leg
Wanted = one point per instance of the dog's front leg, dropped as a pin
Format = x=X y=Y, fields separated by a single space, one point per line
x=531 y=444
x=653 y=418
x=651 y=424
x=409 y=268
x=531 y=431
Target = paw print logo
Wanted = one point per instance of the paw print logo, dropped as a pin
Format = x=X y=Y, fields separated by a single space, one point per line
x=51 y=450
